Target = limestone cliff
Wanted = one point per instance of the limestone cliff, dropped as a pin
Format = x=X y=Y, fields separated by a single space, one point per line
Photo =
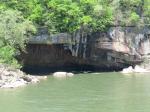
x=115 y=49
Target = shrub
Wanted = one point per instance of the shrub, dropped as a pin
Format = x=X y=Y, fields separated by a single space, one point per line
x=15 y=32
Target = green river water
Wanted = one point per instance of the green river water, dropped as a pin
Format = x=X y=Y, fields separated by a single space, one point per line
x=93 y=92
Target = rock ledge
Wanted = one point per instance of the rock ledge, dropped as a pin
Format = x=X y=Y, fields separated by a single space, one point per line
x=12 y=78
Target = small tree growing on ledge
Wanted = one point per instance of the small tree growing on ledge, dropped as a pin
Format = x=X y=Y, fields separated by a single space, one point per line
x=14 y=33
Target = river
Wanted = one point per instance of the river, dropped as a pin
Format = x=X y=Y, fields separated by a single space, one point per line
x=91 y=92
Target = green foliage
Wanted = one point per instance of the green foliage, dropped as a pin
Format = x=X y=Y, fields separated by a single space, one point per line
x=146 y=9
x=128 y=12
x=130 y=19
x=65 y=15
x=62 y=16
x=134 y=17
x=69 y=15
x=7 y=56
x=102 y=17
x=36 y=15
x=130 y=4
x=31 y=9
x=15 y=31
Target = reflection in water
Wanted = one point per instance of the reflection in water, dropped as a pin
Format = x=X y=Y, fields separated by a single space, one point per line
x=104 y=92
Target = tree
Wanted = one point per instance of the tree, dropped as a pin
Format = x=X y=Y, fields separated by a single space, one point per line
x=63 y=16
x=130 y=10
x=146 y=9
x=71 y=15
x=31 y=9
x=14 y=33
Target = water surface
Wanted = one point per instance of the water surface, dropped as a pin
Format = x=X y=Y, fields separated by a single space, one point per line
x=93 y=92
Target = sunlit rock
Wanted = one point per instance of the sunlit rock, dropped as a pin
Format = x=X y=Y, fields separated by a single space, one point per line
x=62 y=74
x=136 y=69
x=35 y=80
x=12 y=78
x=70 y=74
x=14 y=84
x=128 y=70
x=139 y=69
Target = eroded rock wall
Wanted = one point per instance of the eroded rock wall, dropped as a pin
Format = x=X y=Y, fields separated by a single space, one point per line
x=117 y=48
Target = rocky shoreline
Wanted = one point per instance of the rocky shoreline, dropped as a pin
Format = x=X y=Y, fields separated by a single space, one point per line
x=12 y=78
x=136 y=69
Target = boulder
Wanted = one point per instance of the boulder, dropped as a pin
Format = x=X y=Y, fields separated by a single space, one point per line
x=12 y=78
x=136 y=69
x=31 y=79
x=62 y=74
x=128 y=70
x=139 y=69
x=26 y=78
x=70 y=74
x=14 y=84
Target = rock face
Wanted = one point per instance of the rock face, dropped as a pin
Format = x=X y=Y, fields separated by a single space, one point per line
x=115 y=49
x=12 y=78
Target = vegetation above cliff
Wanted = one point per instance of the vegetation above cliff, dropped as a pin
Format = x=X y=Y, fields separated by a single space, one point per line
x=70 y=15
x=18 y=18
x=64 y=15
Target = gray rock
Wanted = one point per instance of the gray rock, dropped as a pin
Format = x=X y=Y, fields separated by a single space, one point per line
x=12 y=78
x=136 y=69
x=62 y=74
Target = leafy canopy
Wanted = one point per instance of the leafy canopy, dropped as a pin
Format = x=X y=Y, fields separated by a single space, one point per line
x=15 y=31
x=65 y=15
